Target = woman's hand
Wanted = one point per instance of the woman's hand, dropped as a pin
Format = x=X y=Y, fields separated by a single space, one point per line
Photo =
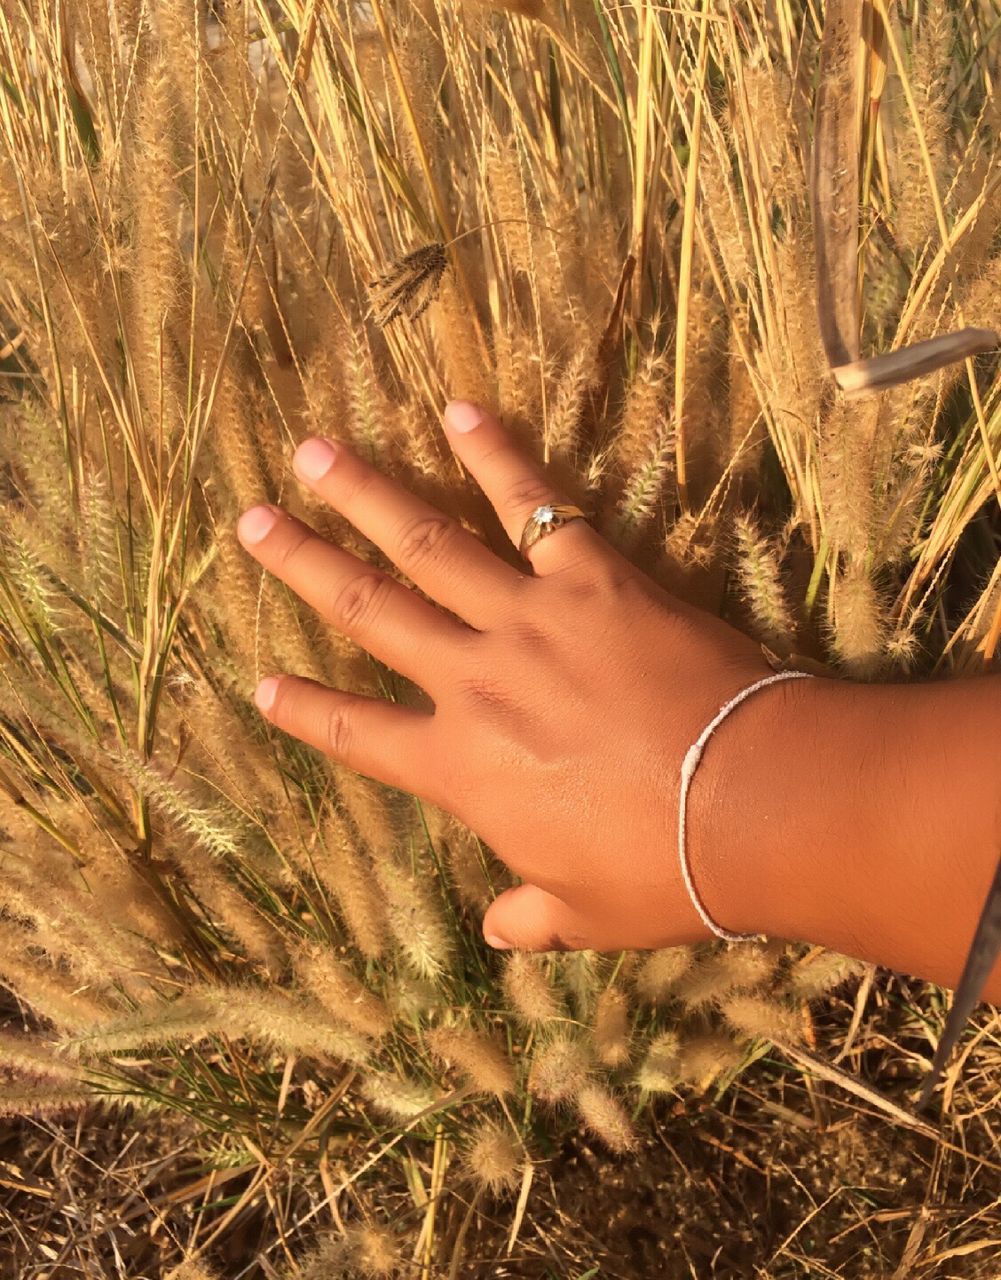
x=565 y=698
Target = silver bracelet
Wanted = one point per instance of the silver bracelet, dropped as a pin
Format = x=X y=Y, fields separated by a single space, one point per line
x=688 y=767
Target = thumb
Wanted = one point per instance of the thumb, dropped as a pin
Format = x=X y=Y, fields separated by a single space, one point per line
x=530 y=919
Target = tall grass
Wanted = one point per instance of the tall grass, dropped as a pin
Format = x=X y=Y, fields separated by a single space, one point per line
x=204 y=915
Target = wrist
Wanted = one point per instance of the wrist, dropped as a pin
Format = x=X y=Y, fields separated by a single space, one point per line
x=865 y=818
x=762 y=812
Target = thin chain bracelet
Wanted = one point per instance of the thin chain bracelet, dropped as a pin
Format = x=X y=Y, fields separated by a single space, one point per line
x=688 y=767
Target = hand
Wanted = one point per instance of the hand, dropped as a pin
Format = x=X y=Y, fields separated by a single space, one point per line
x=564 y=699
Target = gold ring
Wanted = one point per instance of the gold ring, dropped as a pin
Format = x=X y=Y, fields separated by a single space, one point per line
x=544 y=520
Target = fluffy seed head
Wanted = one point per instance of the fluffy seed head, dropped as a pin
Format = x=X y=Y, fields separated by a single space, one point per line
x=416 y=919
x=702 y=1055
x=528 y=989
x=331 y=982
x=746 y=964
x=761 y=1016
x=24 y=1053
x=661 y=970
x=658 y=1072
x=860 y=623
x=42 y=1099
x=606 y=1117
x=343 y=869
x=610 y=1032
x=401 y=1099
x=760 y=576
x=371 y=1250
x=559 y=1069
x=192 y=1269
x=704 y=981
x=810 y=978
x=412 y=998
x=477 y=1055
x=491 y=1157
x=365 y=1252
x=581 y=973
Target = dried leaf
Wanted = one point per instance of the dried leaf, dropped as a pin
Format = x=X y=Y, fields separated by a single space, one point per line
x=865 y=377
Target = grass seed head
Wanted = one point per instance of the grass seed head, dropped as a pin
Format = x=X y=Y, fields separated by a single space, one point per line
x=492 y=1157
x=477 y=1055
x=398 y=1098
x=605 y=1116
x=860 y=626
x=345 y=871
x=581 y=973
x=763 y=1017
x=661 y=971
x=365 y=1252
x=760 y=576
x=746 y=964
x=192 y=1269
x=416 y=918
x=412 y=999
x=330 y=981
x=529 y=990
x=560 y=1068
x=707 y=979
x=372 y=1251
x=34 y=1058
x=815 y=977
x=610 y=1032
x=409 y=286
x=702 y=1055
x=43 y=1099
x=658 y=1072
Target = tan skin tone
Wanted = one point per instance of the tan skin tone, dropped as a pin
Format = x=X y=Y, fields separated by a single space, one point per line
x=866 y=818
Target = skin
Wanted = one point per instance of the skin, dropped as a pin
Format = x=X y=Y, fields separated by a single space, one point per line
x=866 y=818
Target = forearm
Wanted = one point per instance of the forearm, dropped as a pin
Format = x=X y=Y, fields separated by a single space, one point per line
x=870 y=816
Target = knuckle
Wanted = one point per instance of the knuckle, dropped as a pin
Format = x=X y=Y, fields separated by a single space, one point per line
x=607 y=578
x=290 y=551
x=338 y=732
x=613 y=582
x=524 y=633
x=483 y=693
x=424 y=539
x=528 y=492
x=361 y=480
x=358 y=602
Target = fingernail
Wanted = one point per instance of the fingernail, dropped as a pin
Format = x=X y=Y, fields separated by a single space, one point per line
x=255 y=524
x=498 y=944
x=264 y=694
x=313 y=459
x=462 y=415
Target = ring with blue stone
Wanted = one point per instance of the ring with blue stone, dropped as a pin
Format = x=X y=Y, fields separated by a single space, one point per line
x=544 y=520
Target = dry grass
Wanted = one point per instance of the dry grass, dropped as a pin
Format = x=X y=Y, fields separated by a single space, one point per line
x=778 y=1176
x=611 y=218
